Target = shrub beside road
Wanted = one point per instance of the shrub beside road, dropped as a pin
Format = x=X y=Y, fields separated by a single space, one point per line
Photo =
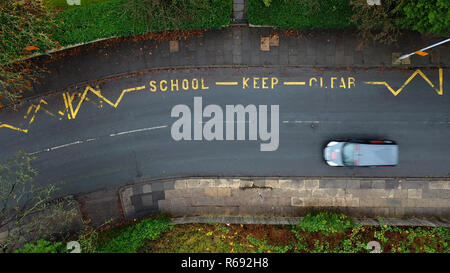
x=425 y=16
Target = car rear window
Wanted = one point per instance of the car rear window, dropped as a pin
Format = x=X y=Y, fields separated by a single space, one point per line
x=348 y=156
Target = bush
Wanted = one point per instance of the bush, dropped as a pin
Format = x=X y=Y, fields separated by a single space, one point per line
x=114 y=18
x=326 y=223
x=378 y=23
x=300 y=14
x=43 y=246
x=428 y=16
x=133 y=237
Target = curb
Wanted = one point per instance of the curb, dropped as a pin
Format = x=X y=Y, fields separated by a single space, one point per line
x=252 y=220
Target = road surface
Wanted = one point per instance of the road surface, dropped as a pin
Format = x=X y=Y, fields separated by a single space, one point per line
x=108 y=135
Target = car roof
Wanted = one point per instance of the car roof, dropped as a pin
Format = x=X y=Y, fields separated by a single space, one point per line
x=376 y=154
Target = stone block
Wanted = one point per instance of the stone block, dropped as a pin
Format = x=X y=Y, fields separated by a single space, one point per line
x=333 y=183
x=302 y=193
x=373 y=202
x=378 y=184
x=351 y=202
x=147 y=200
x=168 y=185
x=265 y=44
x=414 y=194
x=146 y=188
x=272 y=183
x=274 y=40
x=210 y=192
x=339 y=202
x=394 y=202
x=297 y=201
x=223 y=192
x=320 y=202
x=311 y=184
x=439 y=185
x=174 y=46
x=365 y=184
x=157 y=186
x=246 y=184
x=180 y=184
x=353 y=184
x=171 y=194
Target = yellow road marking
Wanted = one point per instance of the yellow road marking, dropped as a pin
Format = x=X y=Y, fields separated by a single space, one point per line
x=13 y=128
x=48 y=112
x=440 y=91
x=226 y=83
x=294 y=83
x=98 y=94
x=65 y=103
x=29 y=109
x=68 y=102
x=37 y=108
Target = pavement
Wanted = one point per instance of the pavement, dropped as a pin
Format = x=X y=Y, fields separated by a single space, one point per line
x=108 y=123
x=237 y=46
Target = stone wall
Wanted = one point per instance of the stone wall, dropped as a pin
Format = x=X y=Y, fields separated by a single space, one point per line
x=387 y=197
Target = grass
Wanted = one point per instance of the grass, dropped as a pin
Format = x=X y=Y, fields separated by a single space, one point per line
x=320 y=233
x=130 y=238
x=117 y=18
x=62 y=4
x=301 y=14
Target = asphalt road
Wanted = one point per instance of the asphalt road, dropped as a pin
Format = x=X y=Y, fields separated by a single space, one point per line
x=101 y=145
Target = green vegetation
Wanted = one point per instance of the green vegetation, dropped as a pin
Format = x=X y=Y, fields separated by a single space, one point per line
x=378 y=23
x=320 y=233
x=43 y=246
x=428 y=16
x=62 y=4
x=26 y=210
x=375 y=23
x=131 y=238
x=326 y=223
x=300 y=14
x=26 y=29
x=30 y=27
x=116 y=18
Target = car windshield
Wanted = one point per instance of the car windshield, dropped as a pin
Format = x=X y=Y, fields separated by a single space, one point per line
x=348 y=154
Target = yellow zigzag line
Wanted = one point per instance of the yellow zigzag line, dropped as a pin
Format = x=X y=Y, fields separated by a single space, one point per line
x=36 y=109
x=440 y=91
x=68 y=99
x=13 y=128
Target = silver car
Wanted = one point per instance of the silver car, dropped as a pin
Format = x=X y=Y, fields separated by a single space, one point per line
x=357 y=153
